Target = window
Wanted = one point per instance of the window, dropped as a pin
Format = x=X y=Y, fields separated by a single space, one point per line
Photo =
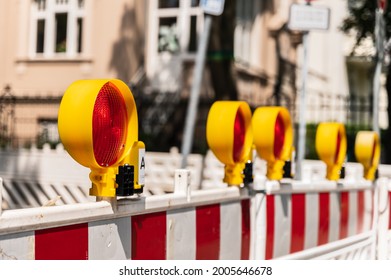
x=192 y=47
x=246 y=41
x=56 y=28
x=79 y=34
x=40 y=35
x=47 y=131
x=179 y=25
x=174 y=29
x=168 y=4
x=168 y=39
x=61 y=32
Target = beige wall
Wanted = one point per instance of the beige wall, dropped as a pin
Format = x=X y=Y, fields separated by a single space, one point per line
x=113 y=48
x=256 y=83
x=109 y=24
x=27 y=121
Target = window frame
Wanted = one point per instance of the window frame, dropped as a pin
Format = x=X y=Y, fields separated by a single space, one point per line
x=247 y=33
x=47 y=130
x=183 y=14
x=50 y=8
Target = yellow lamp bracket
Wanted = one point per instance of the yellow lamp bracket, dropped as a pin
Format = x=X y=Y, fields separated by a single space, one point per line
x=331 y=145
x=98 y=126
x=273 y=138
x=126 y=179
x=229 y=136
x=367 y=152
x=103 y=182
x=233 y=174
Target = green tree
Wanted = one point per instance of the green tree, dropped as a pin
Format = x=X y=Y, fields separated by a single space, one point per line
x=361 y=20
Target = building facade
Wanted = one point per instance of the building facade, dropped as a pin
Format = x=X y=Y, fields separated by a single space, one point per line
x=151 y=45
x=48 y=44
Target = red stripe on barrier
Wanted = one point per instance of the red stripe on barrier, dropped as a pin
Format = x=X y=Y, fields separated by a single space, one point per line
x=269 y=226
x=208 y=232
x=298 y=223
x=246 y=230
x=149 y=236
x=389 y=204
x=360 y=211
x=344 y=219
x=324 y=218
x=62 y=243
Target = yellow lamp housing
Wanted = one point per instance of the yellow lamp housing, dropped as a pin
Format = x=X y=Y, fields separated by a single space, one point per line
x=367 y=151
x=229 y=136
x=273 y=138
x=98 y=126
x=331 y=145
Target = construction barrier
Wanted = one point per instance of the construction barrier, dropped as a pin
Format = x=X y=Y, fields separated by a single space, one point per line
x=317 y=220
x=252 y=215
x=210 y=224
x=287 y=219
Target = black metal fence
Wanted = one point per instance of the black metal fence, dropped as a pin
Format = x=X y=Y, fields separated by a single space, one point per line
x=351 y=110
x=7 y=117
x=19 y=126
x=354 y=110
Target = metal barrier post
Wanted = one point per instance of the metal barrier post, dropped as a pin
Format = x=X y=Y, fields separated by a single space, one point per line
x=383 y=210
x=182 y=182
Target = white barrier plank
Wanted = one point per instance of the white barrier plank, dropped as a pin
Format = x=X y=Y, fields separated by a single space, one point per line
x=230 y=239
x=311 y=220
x=258 y=223
x=48 y=189
x=282 y=225
x=17 y=246
x=64 y=193
x=18 y=198
x=109 y=241
x=334 y=216
x=181 y=229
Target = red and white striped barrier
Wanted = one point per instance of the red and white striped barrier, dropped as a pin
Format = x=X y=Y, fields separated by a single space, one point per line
x=212 y=224
x=297 y=217
x=216 y=231
x=291 y=220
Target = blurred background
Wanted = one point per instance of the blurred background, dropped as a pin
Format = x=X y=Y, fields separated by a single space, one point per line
x=151 y=45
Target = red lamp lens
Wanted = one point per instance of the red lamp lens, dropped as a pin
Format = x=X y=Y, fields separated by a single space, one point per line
x=279 y=136
x=239 y=134
x=337 y=147
x=109 y=125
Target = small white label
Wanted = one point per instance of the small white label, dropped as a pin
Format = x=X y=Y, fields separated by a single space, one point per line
x=141 y=166
x=308 y=17
x=213 y=7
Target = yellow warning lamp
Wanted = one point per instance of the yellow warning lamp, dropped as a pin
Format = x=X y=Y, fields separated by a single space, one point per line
x=229 y=136
x=331 y=145
x=367 y=151
x=98 y=126
x=273 y=138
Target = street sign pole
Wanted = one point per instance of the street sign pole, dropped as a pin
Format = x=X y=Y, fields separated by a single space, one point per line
x=302 y=115
x=379 y=35
x=195 y=92
x=210 y=7
x=305 y=17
